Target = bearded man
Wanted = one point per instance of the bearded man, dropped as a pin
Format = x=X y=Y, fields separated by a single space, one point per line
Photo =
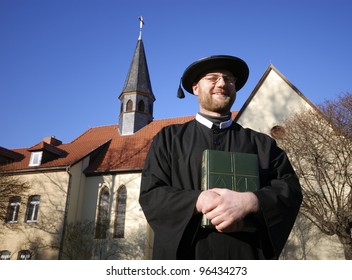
x=171 y=195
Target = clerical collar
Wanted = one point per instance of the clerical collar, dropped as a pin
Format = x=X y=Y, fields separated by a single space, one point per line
x=210 y=122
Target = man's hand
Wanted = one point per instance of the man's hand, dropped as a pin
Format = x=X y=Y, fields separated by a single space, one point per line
x=226 y=209
x=207 y=201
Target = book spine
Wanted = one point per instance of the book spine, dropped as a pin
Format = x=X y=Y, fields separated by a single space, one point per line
x=205 y=161
x=205 y=223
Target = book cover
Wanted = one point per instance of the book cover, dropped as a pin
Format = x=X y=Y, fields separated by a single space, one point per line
x=231 y=170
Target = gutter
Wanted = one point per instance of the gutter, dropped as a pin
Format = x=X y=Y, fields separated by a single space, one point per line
x=64 y=224
x=33 y=170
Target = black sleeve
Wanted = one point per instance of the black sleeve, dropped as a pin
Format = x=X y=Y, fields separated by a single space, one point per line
x=168 y=209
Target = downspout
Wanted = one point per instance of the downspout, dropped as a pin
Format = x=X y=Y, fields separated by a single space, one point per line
x=64 y=225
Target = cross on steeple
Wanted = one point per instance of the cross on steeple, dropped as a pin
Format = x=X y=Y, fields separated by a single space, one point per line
x=141 y=23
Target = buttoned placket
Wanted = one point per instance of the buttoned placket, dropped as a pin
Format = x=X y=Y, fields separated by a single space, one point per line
x=215 y=131
x=216 y=137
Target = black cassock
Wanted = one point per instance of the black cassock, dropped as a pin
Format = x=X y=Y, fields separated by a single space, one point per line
x=170 y=187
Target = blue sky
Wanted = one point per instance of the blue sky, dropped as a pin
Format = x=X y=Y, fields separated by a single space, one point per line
x=63 y=63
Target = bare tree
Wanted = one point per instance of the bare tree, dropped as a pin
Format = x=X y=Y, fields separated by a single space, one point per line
x=79 y=241
x=10 y=187
x=299 y=246
x=80 y=244
x=339 y=113
x=320 y=148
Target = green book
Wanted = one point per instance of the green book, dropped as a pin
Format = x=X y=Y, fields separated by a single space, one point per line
x=231 y=170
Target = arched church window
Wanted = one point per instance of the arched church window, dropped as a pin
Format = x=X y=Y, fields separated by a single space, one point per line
x=141 y=106
x=102 y=224
x=120 y=213
x=129 y=106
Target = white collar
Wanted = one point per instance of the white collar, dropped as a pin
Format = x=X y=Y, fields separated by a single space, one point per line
x=209 y=124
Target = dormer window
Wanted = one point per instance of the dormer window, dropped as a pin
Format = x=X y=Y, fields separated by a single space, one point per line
x=45 y=151
x=36 y=158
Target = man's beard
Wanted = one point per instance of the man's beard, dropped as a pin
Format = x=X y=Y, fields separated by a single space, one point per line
x=214 y=105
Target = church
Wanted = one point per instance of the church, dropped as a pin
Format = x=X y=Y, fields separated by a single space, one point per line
x=83 y=197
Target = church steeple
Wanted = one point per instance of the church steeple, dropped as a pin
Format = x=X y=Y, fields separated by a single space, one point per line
x=137 y=96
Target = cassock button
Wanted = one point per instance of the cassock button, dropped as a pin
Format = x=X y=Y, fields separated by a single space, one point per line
x=216 y=142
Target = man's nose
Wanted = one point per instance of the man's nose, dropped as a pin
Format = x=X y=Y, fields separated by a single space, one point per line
x=221 y=81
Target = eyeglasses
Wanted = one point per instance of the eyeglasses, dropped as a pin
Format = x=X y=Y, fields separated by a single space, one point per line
x=214 y=78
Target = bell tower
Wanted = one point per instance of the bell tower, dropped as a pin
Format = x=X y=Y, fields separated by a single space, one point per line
x=137 y=97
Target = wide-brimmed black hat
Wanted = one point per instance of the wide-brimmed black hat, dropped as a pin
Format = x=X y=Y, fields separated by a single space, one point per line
x=194 y=72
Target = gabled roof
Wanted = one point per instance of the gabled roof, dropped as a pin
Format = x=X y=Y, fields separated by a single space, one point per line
x=270 y=68
x=44 y=146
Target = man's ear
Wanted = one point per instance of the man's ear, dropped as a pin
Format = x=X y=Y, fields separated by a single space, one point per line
x=195 y=88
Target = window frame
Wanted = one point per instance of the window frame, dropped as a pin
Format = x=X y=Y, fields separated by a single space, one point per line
x=27 y=253
x=36 y=158
x=129 y=106
x=120 y=212
x=5 y=255
x=103 y=220
x=32 y=209
x=13 y=209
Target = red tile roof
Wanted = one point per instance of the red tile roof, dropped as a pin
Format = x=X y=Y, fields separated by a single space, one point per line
x=110 y=152
x=129 y=152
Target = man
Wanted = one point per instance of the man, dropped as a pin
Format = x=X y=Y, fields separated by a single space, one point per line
x=171 y=195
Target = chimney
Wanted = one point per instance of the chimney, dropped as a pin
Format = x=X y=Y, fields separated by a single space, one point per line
x=52 y=141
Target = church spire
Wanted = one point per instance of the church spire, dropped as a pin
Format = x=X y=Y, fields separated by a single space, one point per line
x=137 y=95
x=138 y=75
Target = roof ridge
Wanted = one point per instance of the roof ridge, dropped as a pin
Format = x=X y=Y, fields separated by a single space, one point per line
x=88 y=130
x=173 y=118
